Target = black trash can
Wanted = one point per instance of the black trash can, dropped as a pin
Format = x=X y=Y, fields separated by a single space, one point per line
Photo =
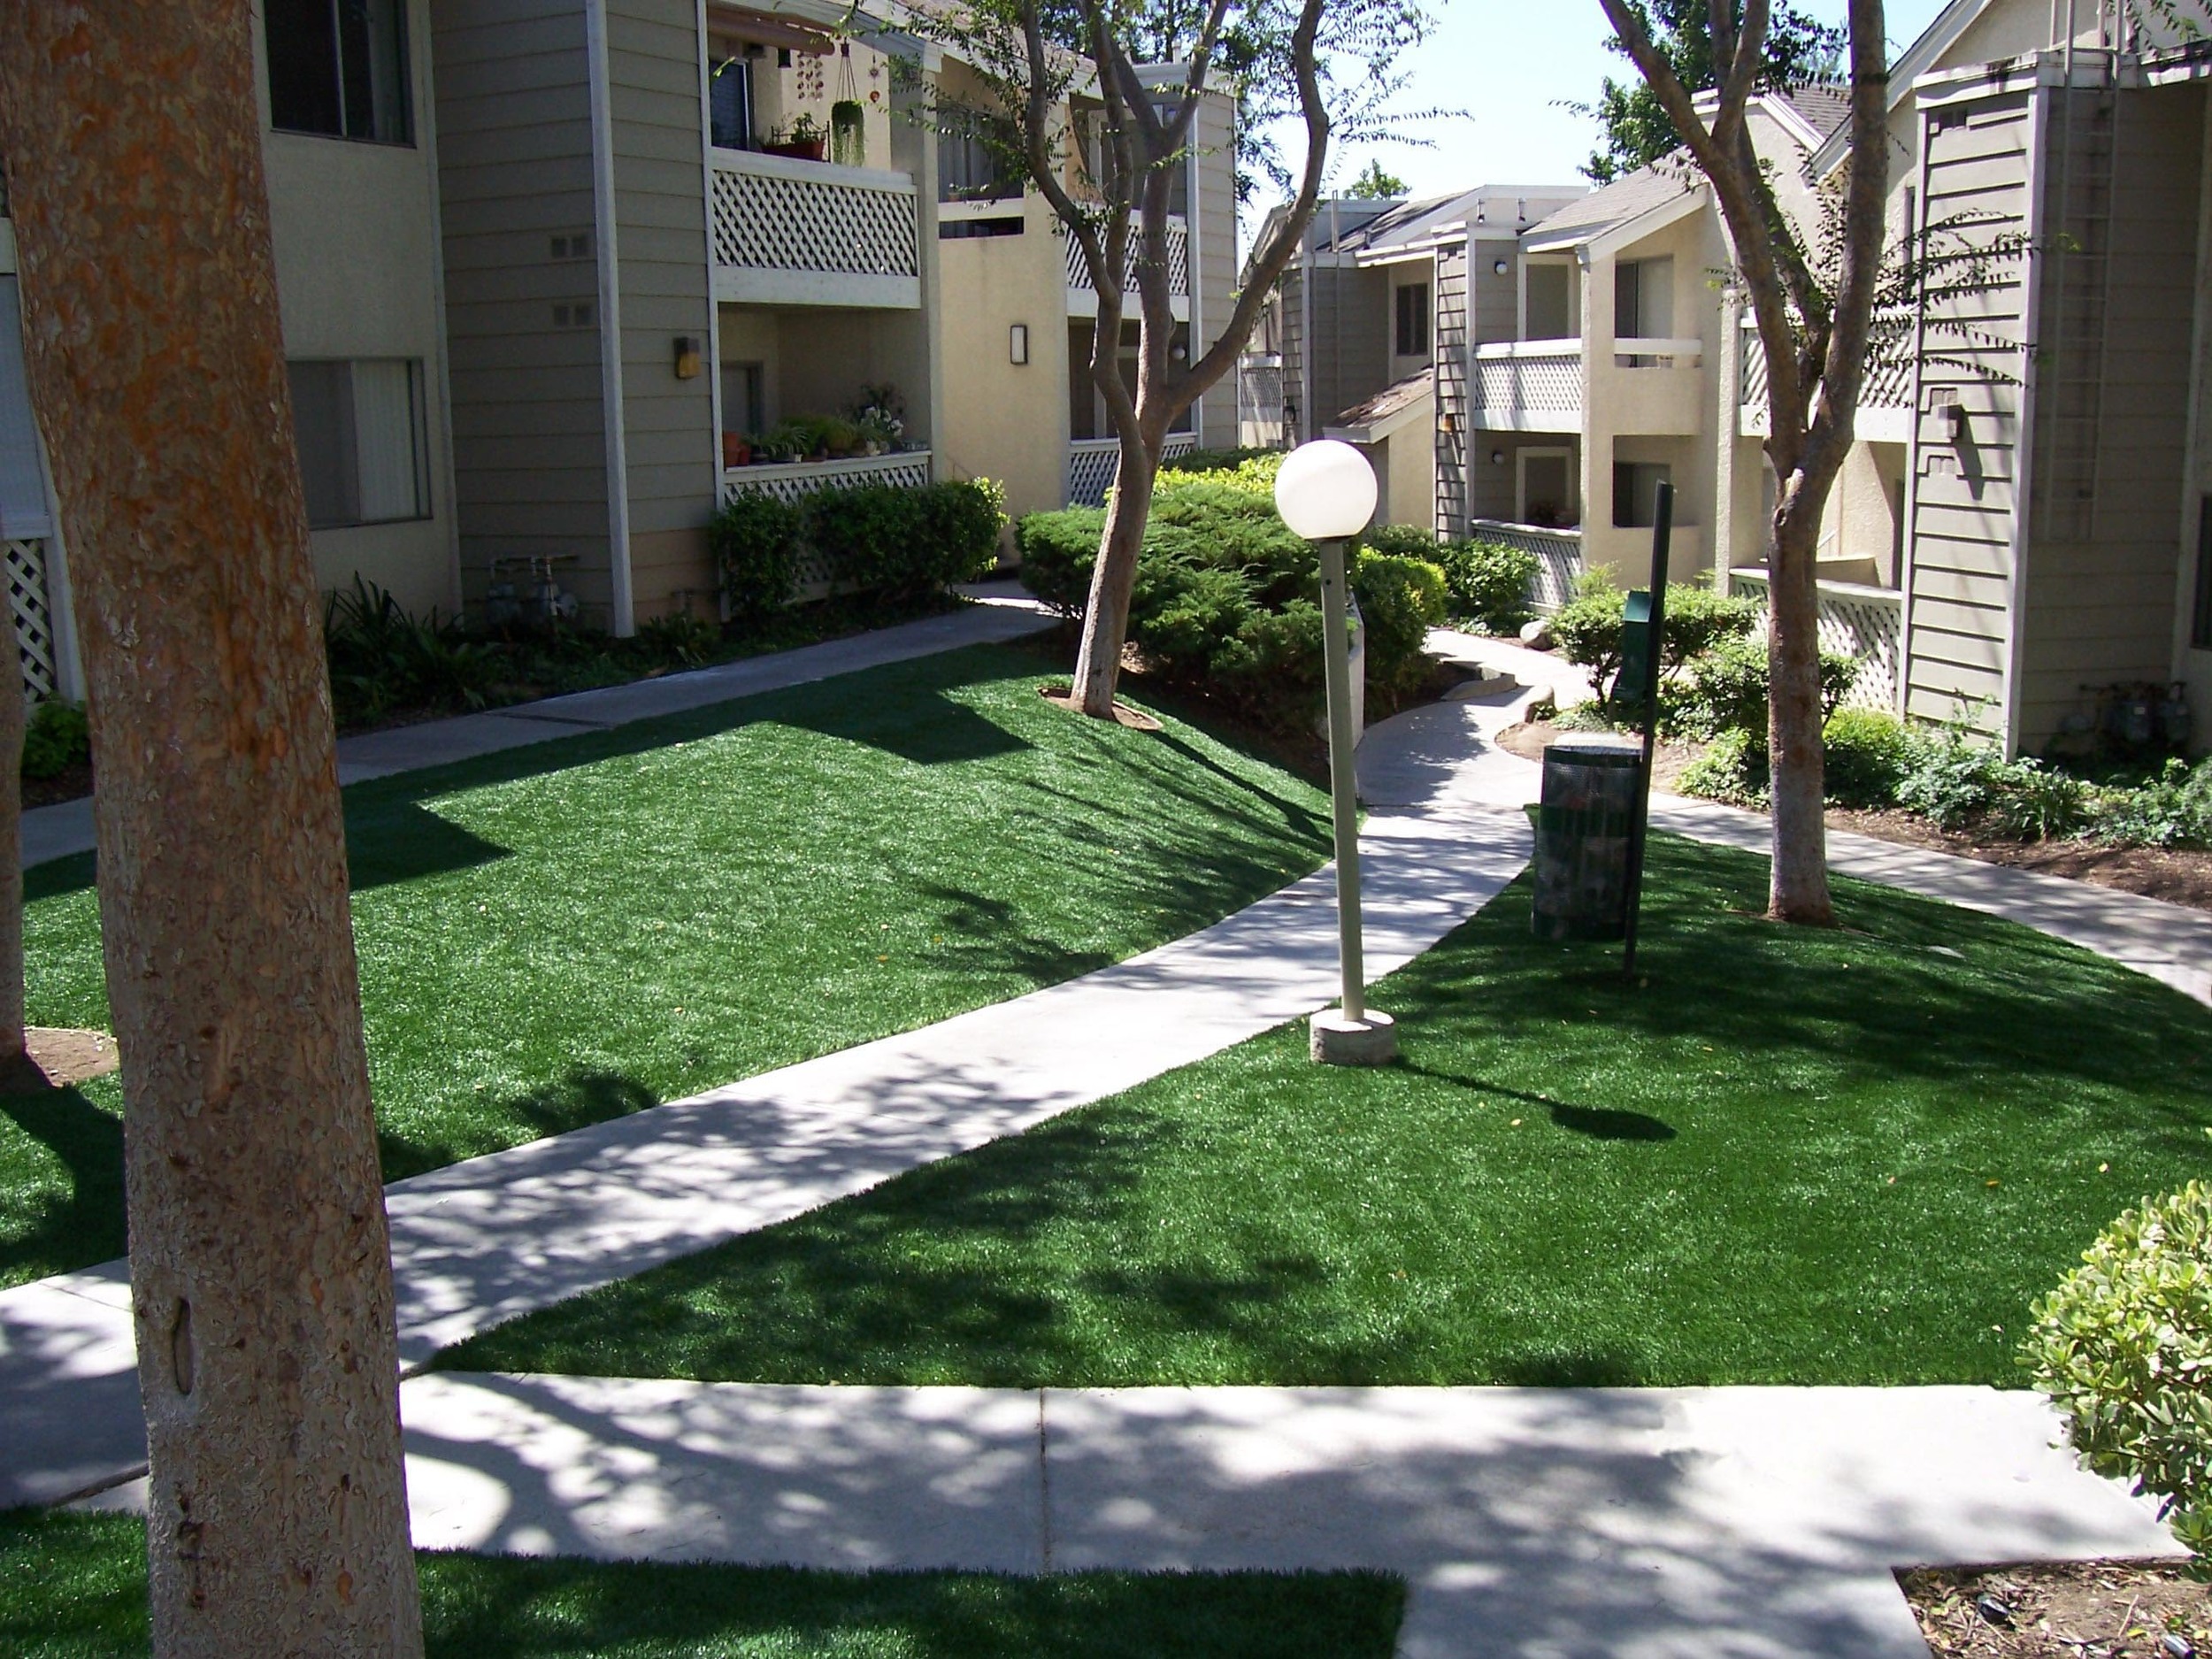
x=1582 y=835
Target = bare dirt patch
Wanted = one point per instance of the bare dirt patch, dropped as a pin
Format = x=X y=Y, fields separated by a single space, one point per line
x=1530 y=738
x=1135 y=719
x=2179 y=875
x=55 y=1057
x=2093 y=1609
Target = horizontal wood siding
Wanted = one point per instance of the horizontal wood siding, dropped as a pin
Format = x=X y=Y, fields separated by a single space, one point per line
x=514 y=173
x=1959 y=587
x=2101 y=604
x=660 y=184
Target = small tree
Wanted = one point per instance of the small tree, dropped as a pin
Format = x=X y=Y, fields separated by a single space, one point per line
x=1144 y=69
x=260 y=1266
x=1375 y=185
x=1815 y=316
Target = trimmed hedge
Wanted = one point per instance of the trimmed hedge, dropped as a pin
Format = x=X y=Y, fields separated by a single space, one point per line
x=1224 y=597
x=896 y=542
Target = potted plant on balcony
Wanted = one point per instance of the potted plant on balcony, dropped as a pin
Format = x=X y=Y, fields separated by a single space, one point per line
x=849 y=139
x=881 y=414
x=802 y=141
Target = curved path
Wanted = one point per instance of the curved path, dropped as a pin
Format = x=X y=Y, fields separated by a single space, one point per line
x=1729 y=1520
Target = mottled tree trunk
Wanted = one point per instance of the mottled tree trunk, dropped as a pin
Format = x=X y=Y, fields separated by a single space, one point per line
x=1113 y=581
x=260 y=1266
x=1798 y=881
x=12 y=714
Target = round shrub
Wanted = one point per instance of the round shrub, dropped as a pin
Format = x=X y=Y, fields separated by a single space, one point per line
x=58 y=737
x=1867 y=755
x=1588 y=634
x=1400 y=600
x=754 y=539
x=2123 y=1348
x=1701 y=619
x=1488 y=583
x=1057 y=552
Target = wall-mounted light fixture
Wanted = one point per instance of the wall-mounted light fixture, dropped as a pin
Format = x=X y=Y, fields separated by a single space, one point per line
x=687 y=356
x=1954 y=422
x=1497 y=457
x=1018 y=344
x=1499 y=267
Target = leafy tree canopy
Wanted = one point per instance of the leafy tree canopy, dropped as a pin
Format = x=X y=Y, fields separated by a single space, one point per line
x=1375 y=185
x=1636 y=130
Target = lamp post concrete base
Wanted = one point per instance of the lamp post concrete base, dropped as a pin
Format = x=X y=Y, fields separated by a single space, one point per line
x=1339 y=1040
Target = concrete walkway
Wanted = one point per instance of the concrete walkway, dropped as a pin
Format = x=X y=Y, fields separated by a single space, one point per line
x=481 y=1241
x=1540 y=1522
x=1003 y=612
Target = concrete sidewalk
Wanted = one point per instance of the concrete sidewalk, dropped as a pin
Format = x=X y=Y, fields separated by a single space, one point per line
x=1003 y=612
x=1543 y=1523
x=481 y=1241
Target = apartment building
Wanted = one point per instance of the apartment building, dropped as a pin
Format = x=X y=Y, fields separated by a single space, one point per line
x=552 y=270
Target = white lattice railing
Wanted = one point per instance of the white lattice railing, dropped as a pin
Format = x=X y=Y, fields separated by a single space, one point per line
x=1177 y=261
x=1514 y=380
x=1094 y=462
x=1865 y=624
x=1888 y=383
x=28 y=600
x=1558 y=557
x=774 y=213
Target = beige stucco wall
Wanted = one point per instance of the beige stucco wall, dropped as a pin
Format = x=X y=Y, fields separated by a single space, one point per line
x=356 y=232
x=1001 y=421
x=1859 y=526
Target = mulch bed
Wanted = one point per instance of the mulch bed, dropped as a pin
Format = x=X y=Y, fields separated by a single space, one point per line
x=2179 y=876
x=2093 y=1609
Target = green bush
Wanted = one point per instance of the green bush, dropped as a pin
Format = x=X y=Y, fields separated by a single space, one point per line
x=1400 y=599
x=1486 y=583
x=382 y=659
x=1243 y=463
x=962 y=519
x=1701 y=619
x=58 y=737
x=754 y=539
x=1401 y=541
x=2173 y=809
x=2123 y=1348
x=1733 y=768
x=680 y=638
x=1057 y=551
x=2038 y=802
x=901 y=543
x=1867 y=756
x=1727 y=689
x=1587 y=631
x=1955 y=778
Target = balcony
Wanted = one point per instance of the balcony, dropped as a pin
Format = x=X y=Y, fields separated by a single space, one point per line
x=1866 y=624
x=1885 y=398
x=1558 y=557
x=1528 y=386
x=791 y=481
x=806 y=233
x=1083 y=298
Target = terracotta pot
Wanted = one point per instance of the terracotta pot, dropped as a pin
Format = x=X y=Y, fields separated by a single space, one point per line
x=735 y=451
x=800 y=149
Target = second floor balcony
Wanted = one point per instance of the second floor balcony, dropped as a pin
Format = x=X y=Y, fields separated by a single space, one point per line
x=792 y=232
x=1083 y=298
x=1885 y=414
x=1527 y=386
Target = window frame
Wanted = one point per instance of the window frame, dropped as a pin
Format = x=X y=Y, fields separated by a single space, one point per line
x=418 y=442
x=1406 y=311
x=405 y=139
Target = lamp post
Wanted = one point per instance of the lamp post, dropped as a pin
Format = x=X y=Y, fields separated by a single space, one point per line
x=1326 y=494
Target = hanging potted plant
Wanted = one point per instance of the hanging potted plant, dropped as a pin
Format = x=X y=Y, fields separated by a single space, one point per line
x=848 y=138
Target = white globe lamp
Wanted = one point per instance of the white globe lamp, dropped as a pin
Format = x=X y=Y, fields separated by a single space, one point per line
x=1325 y=491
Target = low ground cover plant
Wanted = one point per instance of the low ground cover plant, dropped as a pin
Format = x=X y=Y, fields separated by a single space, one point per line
x=1226 y=596
x=2123 y=1348
x=74 y=1586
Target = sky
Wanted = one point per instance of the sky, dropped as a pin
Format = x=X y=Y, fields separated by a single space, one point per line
x=1512 y=63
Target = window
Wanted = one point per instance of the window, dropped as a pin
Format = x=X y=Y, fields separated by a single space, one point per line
x=1413 y=320
x=364 y=450
x=1643 y=301
x=339 y=67
x=1550 y=301
x=1636 y=493
x=730 y=104
x=2200 y=623
x=1547 y=489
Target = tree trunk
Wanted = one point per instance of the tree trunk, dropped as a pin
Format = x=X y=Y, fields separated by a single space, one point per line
x=260 y=1265
x=1798 y=886
x=1113 y=579
x=13 y=720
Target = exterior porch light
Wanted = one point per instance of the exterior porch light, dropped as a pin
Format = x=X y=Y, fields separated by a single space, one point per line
x=1325 y=493
x=1018 y=344
x=1498 y=267
x=687 y=356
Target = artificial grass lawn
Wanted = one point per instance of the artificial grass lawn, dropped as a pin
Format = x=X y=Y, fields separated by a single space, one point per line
x=564 y=933
x=1787 y=1156
x=74 y=1586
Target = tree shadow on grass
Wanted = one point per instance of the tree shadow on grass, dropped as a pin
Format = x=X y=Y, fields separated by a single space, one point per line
x=86 y=1225
x=583 y=1097
x=1600 y=1122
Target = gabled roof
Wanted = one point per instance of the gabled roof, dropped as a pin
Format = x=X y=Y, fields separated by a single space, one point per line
x=1628 y=197
x=1914 y=62
x=1386 y=410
